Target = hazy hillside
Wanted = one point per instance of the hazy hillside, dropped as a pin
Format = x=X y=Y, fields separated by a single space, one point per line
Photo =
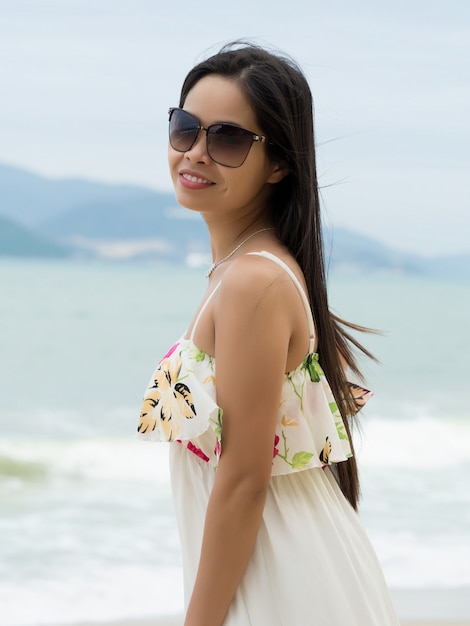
x=29 y=199
x=128 y=218
x=93 y=219
x=16 y=240
x=100 y=219
x=347 y=250
x=344 y=248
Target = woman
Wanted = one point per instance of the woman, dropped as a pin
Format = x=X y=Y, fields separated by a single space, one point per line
x=254 y=397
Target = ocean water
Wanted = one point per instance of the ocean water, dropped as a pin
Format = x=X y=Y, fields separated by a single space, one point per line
x=87 y=530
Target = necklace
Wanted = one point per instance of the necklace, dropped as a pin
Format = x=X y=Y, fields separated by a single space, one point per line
x=230 y=254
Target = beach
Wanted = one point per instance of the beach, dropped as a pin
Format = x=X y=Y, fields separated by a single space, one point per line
x=441 y=607
x=179 y=622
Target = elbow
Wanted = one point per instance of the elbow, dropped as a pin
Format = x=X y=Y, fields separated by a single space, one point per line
x=253 y=491
x=247 y=485
x=248 y=495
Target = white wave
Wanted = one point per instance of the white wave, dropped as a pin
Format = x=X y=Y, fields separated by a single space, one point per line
x=413 y=562
x=118 y=459
x=382 y=442
x=413 y=443
x=117 y=593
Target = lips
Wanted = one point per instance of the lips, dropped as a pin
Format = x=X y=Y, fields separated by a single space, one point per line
x=193 y=180
x=196 y=179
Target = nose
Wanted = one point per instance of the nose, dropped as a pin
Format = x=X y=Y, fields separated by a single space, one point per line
x=198 y=151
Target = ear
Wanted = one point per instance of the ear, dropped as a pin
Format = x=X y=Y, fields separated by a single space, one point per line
x=278 y=172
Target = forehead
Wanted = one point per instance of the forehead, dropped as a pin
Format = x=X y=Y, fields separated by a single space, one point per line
x=218 y=99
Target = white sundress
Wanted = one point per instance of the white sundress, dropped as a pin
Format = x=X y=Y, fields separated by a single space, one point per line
x=312 y=562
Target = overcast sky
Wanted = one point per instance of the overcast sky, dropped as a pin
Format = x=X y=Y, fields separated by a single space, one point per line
x=86 y=85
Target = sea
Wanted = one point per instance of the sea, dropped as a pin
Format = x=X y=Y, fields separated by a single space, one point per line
x=87 y=527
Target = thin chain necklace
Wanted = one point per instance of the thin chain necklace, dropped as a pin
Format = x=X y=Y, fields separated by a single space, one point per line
x=230 y=254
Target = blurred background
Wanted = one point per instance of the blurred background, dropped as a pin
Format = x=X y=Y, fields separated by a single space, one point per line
x=94 y=252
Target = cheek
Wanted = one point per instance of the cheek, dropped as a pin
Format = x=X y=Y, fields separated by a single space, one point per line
x=251 y=182
x=173 y=159
x=243 y=190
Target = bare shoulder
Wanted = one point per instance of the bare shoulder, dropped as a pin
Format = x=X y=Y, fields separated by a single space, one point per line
x=258 y=300
x=253 y=278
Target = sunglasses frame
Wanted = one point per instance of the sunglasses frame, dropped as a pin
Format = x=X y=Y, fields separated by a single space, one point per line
x=198 y=127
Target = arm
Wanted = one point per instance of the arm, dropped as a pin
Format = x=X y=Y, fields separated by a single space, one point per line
x=252 y=334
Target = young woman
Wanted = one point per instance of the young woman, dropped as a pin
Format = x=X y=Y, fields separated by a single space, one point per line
x=254 y=398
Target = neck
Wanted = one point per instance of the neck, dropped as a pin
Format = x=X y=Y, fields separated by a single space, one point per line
x=233 y=244
x=224 y=237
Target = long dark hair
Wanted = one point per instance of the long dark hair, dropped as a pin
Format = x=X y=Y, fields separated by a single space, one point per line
x=282 y=102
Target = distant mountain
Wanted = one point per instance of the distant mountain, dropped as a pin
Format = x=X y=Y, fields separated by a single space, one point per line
x=449 y=266
x=29 y=199
x=347 y=249
x=93 y=219
x=139 y=217
x=16 y=240
x=100 y=219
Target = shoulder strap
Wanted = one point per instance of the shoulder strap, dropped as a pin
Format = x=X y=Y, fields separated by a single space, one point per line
x=203 y=308
x=300 y=289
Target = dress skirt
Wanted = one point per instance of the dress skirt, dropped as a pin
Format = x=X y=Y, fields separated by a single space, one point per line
x=312 y=563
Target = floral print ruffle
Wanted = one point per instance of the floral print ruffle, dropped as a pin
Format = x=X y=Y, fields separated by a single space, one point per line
x=180 y=405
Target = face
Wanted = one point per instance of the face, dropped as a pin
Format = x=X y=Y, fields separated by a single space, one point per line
x=203 y=185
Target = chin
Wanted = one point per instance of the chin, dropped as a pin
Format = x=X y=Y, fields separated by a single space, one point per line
x=188 y=203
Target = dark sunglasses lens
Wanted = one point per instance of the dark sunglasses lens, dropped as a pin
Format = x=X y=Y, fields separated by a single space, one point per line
x=228 y=145
x=183 y=130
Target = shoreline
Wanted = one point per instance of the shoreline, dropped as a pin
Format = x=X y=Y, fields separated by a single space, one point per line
x=415 y=607
x=177 y=621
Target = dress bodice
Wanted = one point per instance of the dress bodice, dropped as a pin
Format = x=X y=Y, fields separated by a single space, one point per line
x=180 y=404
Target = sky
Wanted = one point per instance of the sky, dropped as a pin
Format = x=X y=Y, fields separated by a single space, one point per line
x=86 y=85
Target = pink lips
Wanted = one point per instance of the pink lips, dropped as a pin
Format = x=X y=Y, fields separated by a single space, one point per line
x=193 y=180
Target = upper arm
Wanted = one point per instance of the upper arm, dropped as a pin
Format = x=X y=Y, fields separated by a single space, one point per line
x=253 y=327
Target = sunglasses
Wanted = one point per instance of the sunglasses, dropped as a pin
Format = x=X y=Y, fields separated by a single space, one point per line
x=226 y=144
